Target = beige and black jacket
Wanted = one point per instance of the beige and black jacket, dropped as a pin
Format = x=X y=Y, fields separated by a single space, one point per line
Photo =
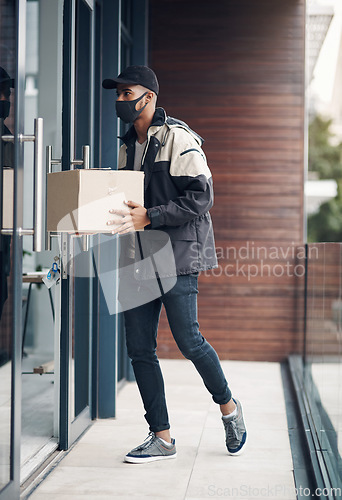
x=178 y=189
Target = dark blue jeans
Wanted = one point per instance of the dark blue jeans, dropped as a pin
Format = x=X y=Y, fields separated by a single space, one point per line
x=141 y=337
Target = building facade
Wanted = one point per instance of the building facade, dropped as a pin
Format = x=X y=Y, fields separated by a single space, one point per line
x=235 y=73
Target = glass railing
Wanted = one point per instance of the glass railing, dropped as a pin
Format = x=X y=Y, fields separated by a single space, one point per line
x=322 y=373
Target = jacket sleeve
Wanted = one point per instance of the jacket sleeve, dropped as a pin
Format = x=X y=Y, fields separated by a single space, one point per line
x=191 y=175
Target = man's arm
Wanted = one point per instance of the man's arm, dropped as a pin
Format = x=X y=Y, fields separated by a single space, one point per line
x=191 y=175
x=196 y=200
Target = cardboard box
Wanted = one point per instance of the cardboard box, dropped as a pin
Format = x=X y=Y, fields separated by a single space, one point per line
x=7 y=200
x=80 y=200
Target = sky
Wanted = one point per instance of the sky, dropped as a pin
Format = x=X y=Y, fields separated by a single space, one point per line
x=322 y=84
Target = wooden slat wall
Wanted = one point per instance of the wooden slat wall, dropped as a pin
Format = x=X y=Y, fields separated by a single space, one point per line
x=234 y=71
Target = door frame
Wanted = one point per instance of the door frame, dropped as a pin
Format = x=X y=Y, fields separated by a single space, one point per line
x=70 y=429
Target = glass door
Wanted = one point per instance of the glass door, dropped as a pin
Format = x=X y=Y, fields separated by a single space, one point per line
x=40 y=349
x=16 y=146
x=83 y=120
x=76 y=326
x=46 y=68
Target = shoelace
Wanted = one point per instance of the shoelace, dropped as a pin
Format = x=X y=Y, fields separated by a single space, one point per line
x=232 y=430
x=148 y=441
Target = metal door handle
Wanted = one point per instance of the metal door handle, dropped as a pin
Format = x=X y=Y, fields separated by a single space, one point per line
x=38 y=189
x=39 y=185
x=49 y=164
x=86 y=164
x=85 y=158
x=51 y=161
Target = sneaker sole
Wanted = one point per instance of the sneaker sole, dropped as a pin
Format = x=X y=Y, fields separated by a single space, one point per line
x=137 y=460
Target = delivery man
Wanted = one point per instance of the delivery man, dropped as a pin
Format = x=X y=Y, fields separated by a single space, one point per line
x=178 y=195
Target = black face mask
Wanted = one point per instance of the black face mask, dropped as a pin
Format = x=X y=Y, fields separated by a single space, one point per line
x=126 y=109
x=4 y=109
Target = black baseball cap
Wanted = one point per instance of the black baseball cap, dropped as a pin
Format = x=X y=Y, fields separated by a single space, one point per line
x=139 y=75
x=5 y=78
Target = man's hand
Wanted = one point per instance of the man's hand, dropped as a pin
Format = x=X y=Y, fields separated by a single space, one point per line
x=130 y=219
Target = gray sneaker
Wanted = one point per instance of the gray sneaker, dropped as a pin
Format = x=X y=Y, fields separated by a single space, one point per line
x=236 y=434
x=152 y=449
